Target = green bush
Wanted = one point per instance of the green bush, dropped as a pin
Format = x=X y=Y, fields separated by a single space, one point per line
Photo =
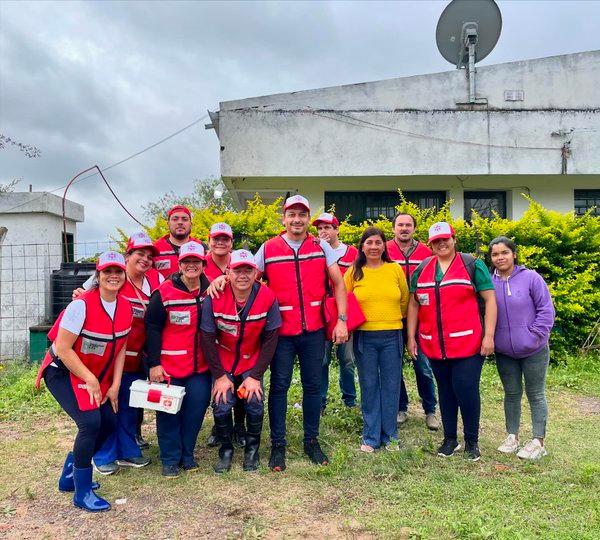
x=563 y=248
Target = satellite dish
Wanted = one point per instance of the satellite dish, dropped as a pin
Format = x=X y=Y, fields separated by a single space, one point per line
x=466 y=33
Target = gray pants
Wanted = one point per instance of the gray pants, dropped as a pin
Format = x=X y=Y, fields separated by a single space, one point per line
x=533 y=370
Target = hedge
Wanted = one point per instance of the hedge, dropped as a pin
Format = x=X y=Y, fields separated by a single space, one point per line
x=563 y=248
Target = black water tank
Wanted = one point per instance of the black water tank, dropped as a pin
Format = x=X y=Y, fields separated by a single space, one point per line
x=63 y=281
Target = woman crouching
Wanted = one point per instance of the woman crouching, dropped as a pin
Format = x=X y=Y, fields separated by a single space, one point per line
x=83 y=368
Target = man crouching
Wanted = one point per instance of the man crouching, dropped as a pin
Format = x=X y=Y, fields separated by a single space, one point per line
x=239 y=338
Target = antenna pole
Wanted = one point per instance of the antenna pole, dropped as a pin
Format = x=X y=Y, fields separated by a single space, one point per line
x=471 y=72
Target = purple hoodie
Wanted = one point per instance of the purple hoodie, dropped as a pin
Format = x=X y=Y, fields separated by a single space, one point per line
x=525 y=313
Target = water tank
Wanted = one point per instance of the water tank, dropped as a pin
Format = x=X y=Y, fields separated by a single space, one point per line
x=63 y=281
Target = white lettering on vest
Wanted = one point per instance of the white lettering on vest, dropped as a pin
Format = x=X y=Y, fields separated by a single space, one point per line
x=179 y=317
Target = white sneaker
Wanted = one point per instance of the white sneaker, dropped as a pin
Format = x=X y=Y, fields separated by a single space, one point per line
x=402 y=417
x=510 y=444
x=533 y=450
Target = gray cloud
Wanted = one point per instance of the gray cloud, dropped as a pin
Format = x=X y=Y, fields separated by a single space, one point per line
x=93 y=82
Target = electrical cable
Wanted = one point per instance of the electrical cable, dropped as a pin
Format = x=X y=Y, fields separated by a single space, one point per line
x=115 y=165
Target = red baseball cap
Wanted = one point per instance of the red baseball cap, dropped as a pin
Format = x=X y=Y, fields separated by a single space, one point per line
x=179 y=208
x=330 y=219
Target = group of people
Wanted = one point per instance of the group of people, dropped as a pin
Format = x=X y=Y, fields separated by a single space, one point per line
x=213 y=320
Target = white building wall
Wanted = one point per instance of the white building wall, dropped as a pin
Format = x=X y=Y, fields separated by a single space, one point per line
x=30 y=251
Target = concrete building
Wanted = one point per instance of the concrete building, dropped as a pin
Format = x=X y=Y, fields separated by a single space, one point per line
x=31 y=246
x=537 y=132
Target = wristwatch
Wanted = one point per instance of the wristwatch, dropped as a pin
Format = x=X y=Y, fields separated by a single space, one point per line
x=343 y=318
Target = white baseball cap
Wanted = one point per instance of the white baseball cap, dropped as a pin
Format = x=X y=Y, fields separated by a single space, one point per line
x=140 y=240
x=441 y=229
x=296 y=199
x=328 y=218
x=242 y=257
x=220 y=228
x=111 y=258
x=191 y=249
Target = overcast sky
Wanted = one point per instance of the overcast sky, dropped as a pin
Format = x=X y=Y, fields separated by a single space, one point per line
x=94 y=82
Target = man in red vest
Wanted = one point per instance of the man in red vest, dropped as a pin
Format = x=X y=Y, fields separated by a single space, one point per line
x=179 y=221
x=239 y=337
x=328 y=228
x=296 y=266
x=409 y=253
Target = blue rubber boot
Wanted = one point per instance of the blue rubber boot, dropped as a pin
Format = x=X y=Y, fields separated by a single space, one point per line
x=85 y=497
x=65 y=482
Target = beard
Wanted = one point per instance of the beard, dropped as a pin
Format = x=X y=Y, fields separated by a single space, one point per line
x=180 y=236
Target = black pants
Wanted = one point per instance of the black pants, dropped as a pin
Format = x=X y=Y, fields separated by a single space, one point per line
x=93 y=426
x=458 y=387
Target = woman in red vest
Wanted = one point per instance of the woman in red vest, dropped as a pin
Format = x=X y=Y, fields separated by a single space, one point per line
x=444 y=309
x=83 y=368
x=174 y=354
x=121 y=448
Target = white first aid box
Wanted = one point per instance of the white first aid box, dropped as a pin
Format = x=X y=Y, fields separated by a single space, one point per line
x=157 y=396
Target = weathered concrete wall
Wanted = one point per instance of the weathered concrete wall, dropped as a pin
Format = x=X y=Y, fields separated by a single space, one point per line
x=413 y=126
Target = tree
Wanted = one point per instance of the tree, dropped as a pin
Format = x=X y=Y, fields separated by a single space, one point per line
x=29 y=151
x=202 y=196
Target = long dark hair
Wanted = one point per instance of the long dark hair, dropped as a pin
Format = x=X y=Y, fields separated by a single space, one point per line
x=361 y=260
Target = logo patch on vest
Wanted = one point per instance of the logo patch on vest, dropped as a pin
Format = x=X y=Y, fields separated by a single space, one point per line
x=423 y=298
x=138 y=312
x=165 y=264
x=229 y=328
x=90 y=346
x=179 y=317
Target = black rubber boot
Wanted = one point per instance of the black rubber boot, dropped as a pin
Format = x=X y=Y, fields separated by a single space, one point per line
x=224 y=427
x=239 y=429
x=251 y=454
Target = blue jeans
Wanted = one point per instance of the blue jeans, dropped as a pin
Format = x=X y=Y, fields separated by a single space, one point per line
x=121 y=443
x=346 y=375
x=310 y=348
x=177 y=433
x=379 y=361
x=254 y=407
x=425 y=385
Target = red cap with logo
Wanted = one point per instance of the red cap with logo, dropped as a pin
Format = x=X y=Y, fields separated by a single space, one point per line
x=220 y=228
x=191 y=249
x=242 y=257
x=296 y=200
x=110 y=258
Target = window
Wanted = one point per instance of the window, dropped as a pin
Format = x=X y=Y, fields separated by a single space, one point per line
x=586 y=199
x=68 y=248
x=363 y=206
x=485 y=203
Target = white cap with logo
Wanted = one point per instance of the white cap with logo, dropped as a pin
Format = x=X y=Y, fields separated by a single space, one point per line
x=110 y=258
x=242 y=257
x=220 y=228
x=296 y=199
x=441 y=229
x=191 y=249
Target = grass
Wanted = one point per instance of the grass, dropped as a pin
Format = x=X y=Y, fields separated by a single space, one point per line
x=408 y=494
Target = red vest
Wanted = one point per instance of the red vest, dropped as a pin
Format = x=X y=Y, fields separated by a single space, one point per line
x=211 y=270
x=167 y=260
x=139 y=303
x=298 y=281
x=449 y=321
x=347 y=260
x=181 y=355
x=97 y=346
x=239 y=343
x=410 y=263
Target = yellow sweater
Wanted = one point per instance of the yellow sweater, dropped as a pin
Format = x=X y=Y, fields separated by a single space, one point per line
x=382 y=294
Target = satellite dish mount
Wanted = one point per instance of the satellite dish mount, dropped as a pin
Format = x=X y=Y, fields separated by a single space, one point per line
x=466 y=33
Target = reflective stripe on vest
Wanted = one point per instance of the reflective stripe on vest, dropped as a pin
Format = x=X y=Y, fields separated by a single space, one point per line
x=449 y=322
x=239 y=343
x=410 y=263
x=298 y=281
x=181 y=355
x=98 y=344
